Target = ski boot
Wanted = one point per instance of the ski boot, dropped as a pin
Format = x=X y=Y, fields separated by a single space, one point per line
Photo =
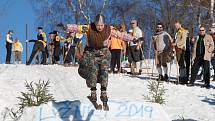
x=93 y=96
x=160 y=78
x=93 y=100
x=104 y=100
x=183 y=80
x=166 y=78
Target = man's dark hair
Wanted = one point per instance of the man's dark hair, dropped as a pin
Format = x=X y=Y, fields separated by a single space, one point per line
x=201 y=26
x=10 y=31
x=39 y=27
x=160 y=24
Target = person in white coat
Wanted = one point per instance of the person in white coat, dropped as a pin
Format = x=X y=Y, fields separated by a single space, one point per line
x=135 y=54
x=9 y=42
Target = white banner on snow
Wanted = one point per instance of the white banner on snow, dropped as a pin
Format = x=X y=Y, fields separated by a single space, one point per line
x=76 y=111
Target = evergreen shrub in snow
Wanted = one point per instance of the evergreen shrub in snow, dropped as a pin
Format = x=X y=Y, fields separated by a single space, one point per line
x=37 y=94
x=156 y=92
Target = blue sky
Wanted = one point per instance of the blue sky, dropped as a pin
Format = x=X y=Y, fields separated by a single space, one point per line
x=15 y=14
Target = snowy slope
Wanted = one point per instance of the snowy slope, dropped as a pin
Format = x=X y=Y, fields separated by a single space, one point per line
x=192 y=103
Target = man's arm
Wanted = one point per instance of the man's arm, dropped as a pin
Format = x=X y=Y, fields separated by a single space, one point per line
x=183 y=39
x=122 y=35
x=21 y=46
x=170 y=38
x=32 y=40
x=80 y=28
x=77 y=28
x=211 y=45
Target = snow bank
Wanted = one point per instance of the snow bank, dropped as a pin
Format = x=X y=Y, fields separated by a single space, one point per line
x=192 y=103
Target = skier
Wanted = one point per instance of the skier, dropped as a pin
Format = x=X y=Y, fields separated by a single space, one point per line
x=116 y=46
x=71 y=46
x=39 y=46
x=162 y=45
x=212 y=33
x=93 y=65
x=180 y=47
x=98 y=56
x=57 y=48
x=17 y=51
x=9 y=42
x=51 y=47
x=135 y=55
x=202 y=52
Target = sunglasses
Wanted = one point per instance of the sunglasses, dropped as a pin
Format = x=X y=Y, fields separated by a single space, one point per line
x=201 y=30
x=132 y=23
x=159 y=27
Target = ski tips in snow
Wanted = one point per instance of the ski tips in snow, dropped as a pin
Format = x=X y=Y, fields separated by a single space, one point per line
x=98 y=106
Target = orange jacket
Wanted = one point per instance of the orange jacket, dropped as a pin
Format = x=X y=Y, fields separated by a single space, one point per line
x=116 y=43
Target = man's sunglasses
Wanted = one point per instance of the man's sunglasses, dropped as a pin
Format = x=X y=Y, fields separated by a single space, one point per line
x=159 y=27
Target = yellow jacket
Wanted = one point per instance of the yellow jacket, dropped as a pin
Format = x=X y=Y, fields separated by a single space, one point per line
x=43 y=41
x=181 y=37
x=17 y=46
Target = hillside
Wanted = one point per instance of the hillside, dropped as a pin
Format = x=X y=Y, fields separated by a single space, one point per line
x=193 y=103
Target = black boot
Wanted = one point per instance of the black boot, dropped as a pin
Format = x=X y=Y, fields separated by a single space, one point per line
x=104 y=100
x=166 y=78
x=160 y=78
x=183 y=80
x=207 y=86
x=191 y=84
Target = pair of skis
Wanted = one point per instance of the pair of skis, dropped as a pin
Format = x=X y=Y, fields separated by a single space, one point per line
x=98 y=106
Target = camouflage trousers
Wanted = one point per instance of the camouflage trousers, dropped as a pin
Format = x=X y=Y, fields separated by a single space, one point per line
x=93 y=67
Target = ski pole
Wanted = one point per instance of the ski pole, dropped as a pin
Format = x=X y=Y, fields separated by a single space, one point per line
x=144 y=61
x=149 y=54
x=177 y=68
x=26 y=28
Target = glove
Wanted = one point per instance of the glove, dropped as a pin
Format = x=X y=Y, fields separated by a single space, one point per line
x=26 y=41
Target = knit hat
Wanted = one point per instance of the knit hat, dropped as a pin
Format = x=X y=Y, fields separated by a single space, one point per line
x=39 y=27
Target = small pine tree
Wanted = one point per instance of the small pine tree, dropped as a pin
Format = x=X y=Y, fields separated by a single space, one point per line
x=156 y=92
x=36 y=95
